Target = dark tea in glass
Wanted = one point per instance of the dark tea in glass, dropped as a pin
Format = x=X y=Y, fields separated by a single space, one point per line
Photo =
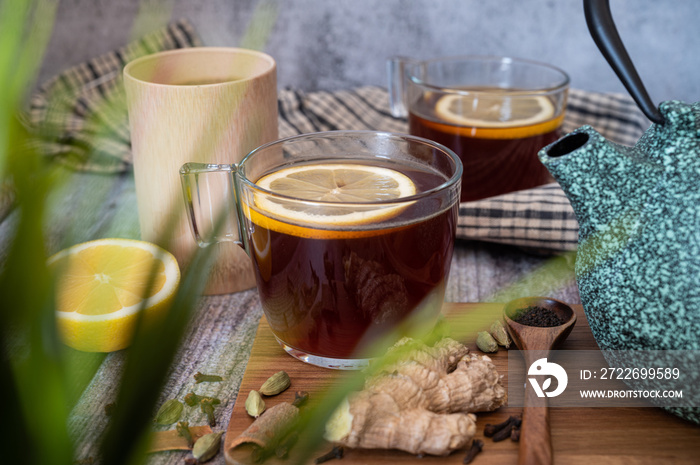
x=496 y=113
x=350 y=233
x=497 y=157
x=329 y=292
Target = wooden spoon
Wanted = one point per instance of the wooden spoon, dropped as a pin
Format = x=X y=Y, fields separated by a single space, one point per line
x=535 y=343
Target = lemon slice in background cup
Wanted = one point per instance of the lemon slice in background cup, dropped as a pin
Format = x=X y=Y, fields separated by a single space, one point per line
x=102 y=285
x=494 y=110
x=335 y=183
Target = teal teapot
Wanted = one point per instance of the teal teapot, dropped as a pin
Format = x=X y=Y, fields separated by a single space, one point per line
x=638 y=208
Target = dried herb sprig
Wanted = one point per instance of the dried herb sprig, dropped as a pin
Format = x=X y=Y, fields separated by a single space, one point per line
x=300 y=398
x=193 y=399
x=207 y=405
x=183 y=430
x=202 y=378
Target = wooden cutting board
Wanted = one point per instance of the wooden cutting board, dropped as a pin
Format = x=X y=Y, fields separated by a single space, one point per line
x=579 y=435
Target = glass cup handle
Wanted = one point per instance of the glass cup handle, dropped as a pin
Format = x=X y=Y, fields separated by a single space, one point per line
x=397 y=90
x=211 y=203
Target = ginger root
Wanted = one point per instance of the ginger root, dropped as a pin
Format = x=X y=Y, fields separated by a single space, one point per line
x=422 y=403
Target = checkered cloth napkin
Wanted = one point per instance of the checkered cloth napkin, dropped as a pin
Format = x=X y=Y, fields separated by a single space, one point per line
x=82 y=120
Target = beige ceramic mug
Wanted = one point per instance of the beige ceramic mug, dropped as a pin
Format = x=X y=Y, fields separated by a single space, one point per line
x=210 y=105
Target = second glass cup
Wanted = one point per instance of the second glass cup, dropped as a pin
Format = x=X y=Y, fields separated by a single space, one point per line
x=350 y=233
x=494 y=112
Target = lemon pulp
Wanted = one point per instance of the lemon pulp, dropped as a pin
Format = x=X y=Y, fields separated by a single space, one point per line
x=102 y=285
x=338 y=193
x=494 y=111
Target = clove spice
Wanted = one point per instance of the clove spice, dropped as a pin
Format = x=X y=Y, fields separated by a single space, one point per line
x=490 y=430
x=506 y=432
x=503 y=430
x=515 y=434
x=477 y=445
x=336 y=453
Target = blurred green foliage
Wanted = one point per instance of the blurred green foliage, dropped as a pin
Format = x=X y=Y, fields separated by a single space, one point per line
x=40 y=378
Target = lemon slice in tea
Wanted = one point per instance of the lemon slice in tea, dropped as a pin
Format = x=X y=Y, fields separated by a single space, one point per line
x=335 y=184
x=494 y=111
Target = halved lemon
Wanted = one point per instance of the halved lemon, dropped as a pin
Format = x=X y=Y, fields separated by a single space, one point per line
x=336 y=185
x=496 y=111
x=102 y=285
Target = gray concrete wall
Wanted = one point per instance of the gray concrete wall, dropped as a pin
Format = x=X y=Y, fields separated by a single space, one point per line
x=331 y=44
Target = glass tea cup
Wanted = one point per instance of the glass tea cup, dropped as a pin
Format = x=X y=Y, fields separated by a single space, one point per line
x=494 y=112
x=350 y=233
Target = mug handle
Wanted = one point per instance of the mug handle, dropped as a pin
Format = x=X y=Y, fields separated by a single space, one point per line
x=211 y=202
x=396 y=69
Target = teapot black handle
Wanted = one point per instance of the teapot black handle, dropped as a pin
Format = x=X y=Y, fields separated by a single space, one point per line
x=606 y=37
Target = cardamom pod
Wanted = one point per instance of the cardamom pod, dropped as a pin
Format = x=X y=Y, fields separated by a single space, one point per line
x=207 y=446
x=254 y=404
x=275 y=384
x=169 y=412
x=500 y=334
x=485 y=342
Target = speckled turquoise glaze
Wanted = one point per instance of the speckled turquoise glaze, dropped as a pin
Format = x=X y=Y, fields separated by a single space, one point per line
x=638 y=262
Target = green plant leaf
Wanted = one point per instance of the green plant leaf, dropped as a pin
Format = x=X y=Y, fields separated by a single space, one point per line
x=148 y=363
